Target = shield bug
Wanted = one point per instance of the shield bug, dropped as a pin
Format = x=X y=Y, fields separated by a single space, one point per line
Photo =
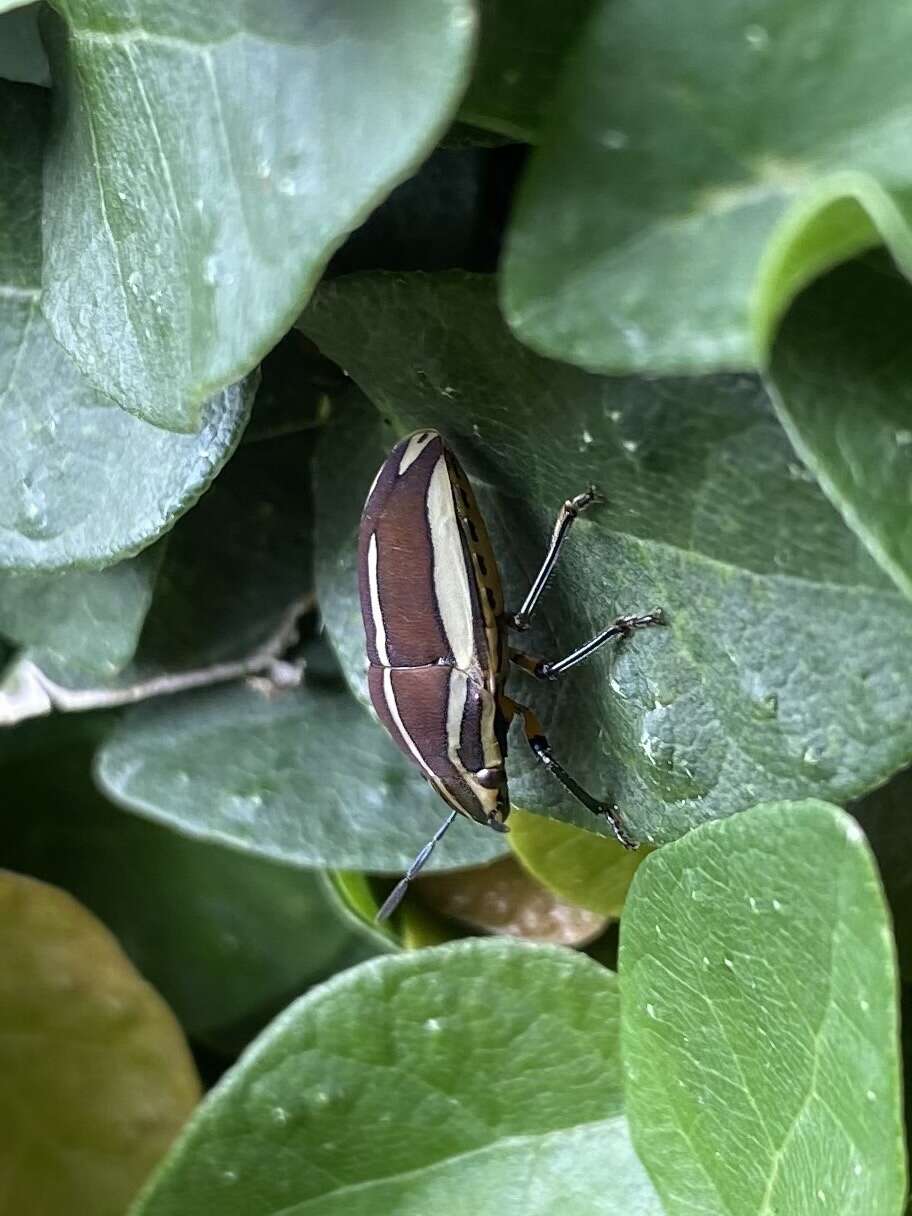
x=436 y=633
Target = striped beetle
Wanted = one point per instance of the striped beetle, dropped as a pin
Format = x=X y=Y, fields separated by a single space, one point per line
x=436 y=633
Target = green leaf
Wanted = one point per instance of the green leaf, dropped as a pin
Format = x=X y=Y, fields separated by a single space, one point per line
x=760 y=1020
x=22 y=56
x=302 y=776
x=207 y=163
x=783 y=670
x=82 y=484
x=231 y=572
x=414 y=1084
x=702 y=164
x=521 y=51
x=842 y=376
x=590 y=871
x=227 y=939
x=81 y=626
x=97 y=1078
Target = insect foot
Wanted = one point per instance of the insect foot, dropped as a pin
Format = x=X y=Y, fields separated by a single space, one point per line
x=577 y=505
x=626 y=625
x=613 y=815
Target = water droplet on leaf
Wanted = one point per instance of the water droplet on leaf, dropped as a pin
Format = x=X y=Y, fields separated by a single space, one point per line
x=757 y=37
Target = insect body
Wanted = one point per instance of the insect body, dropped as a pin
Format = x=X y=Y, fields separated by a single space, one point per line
x=436 y=634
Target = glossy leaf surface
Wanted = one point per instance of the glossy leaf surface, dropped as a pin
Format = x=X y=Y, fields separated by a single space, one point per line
x=414 y=1084
x=760 y=1019
x=82 y=484
x=782 y=670
x=702 y=164
x=842 y=383
x=81 y=625
x=302 y=776
x=208 y=161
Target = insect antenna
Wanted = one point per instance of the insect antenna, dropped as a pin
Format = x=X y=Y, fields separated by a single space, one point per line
x=394 y=899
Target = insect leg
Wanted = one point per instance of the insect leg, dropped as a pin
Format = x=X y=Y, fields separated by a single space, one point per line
x=542 y=751
x=394 y=899
x=623 y=627
x=567 y=514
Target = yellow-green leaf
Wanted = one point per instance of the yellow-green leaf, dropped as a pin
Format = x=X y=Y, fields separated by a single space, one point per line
x=589 y=870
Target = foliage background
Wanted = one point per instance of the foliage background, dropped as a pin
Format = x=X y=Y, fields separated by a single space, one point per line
x=243 y=249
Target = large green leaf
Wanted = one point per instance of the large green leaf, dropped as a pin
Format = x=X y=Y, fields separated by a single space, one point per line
x=91 y=485
x=82 y=484
x=302 y=776
x=842 y=377
x=783 y=671
x=479 y=1077
x=81 y=625
x=702 y=163
x=521 y=51
x=227 y=939
x=231 y=571
x=760 y=1020
x=97 y=1078
x=210 y=158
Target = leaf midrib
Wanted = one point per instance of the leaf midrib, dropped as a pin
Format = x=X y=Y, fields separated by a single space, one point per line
x=837 y=920
x=138 y=34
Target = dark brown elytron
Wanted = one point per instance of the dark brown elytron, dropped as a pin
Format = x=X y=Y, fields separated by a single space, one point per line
x=436 y=634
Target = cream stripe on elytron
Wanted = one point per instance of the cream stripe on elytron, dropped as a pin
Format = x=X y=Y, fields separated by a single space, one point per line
x=389 y=695
x=456 y=703
x=451 y=580
x=376 y=611
x=414 y=448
